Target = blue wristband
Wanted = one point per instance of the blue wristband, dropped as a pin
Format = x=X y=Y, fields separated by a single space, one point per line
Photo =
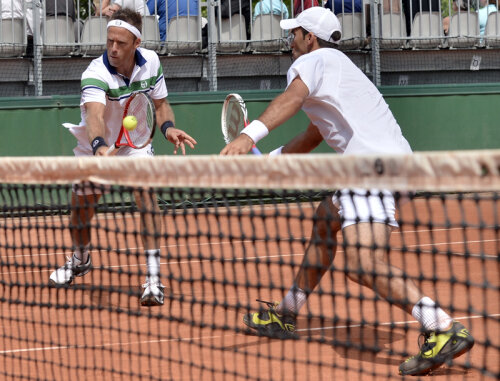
x=165 y=126
x=98 y=142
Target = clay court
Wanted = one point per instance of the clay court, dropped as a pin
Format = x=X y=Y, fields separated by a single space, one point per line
x=96 y=330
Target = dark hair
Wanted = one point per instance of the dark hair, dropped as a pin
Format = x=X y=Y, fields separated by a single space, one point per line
x=128 y=15
x=326 y=44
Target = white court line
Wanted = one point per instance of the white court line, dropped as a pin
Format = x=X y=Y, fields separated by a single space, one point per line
x=390 y=323
x=201 y=338
x=261 y=240
x=243 y=259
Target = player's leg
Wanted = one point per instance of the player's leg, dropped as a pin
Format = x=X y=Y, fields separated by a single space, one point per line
x=150 y=233
x=279 y=319
x=80 y=263
x=367 y=246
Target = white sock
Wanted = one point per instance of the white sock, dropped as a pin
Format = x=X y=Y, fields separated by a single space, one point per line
x=153 y=264
x=82 y=253
x=293 y=301
x=432 y=317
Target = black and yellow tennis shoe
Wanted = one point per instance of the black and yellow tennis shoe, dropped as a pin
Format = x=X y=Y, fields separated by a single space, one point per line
x=272 y=324
x=438 y=348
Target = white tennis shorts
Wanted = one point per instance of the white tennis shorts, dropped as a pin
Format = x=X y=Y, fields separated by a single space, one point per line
x=362 y=205
x=89 y=188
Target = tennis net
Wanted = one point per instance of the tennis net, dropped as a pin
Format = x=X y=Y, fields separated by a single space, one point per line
x=235 y=229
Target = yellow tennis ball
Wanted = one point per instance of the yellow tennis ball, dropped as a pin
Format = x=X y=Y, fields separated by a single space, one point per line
x=130 y=122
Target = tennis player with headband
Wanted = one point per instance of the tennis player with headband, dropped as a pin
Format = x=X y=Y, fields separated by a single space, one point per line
x=331 y=90
x=106 y=85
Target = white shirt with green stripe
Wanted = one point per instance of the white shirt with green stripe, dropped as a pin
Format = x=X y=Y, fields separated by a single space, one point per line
x=101 y=83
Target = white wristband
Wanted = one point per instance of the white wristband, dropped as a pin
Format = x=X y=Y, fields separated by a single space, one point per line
x=256 y=131
x=276 y=152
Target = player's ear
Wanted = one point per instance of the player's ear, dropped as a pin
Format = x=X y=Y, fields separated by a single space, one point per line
x=137 y=42
x=311 y=38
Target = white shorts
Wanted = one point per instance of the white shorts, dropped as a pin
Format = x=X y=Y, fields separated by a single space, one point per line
x=86 y=188
x=362 y=205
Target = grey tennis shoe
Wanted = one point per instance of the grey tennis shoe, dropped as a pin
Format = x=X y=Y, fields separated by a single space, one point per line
x=64 y=275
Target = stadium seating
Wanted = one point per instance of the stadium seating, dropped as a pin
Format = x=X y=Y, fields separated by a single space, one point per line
x=427 y=31
x=232 y=34
x=150 y=33
x=492 y=31
x=58 y=36
x=353 y=31
x=266 y=35
x=184 y=35
x=393 y=31
x=93 y=41
x=464 y=30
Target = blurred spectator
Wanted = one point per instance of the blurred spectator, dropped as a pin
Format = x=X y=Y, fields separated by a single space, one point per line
x=60 y=8
x=388 y=6
x=232 y=7
x=462 y=4
x=265 y=7
x=300 y=5
x=109 y=7
x=166 y=9
x=344 y=6
x=12 y=9
x=485 y=8
x=412 y=7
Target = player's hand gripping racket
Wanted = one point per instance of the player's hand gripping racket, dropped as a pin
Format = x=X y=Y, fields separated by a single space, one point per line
x=142 y=107
x=234 y=118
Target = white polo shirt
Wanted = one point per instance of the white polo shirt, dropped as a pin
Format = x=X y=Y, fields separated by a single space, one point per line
x=101 y=83
x=347 y=108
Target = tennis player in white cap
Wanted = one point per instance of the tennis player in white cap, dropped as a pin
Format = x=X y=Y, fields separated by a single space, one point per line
x=348 y=112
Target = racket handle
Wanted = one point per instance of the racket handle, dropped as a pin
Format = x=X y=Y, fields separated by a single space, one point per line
x=111 y=149
x=255 y=150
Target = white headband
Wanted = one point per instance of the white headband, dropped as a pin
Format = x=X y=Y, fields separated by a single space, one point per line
x=123 y=24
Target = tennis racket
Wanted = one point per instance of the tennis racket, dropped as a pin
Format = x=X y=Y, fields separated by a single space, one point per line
x=234 y=118
x=142 y=107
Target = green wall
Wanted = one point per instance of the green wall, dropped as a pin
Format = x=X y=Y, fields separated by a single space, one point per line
x=432 y=118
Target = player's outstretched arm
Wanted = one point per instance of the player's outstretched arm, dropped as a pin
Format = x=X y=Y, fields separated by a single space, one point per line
x=179 y=138
x=95 y=125
x=239 y=146
x=164 y=111
x=285 y=105
x=279 y=111
x=305 y=142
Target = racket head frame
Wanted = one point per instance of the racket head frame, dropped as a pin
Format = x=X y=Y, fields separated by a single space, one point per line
x=232 y=132
x=232 y=124
x=124 y=133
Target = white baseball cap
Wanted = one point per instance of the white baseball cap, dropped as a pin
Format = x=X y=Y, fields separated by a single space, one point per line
x=320 y=21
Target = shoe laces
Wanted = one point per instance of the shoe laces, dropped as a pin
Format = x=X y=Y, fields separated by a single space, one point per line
x=272 y=305
x=423 y=341
x=287 y=320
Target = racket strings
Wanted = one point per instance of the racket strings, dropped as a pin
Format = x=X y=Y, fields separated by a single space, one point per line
x=142 y=109
x=235 y=120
